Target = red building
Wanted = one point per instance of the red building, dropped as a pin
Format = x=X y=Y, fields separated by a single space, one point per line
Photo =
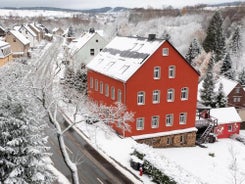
x=155 y=82
x=228 y=121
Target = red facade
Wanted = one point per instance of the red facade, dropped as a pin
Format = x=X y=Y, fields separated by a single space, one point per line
x=175 y=90
x=227 y=130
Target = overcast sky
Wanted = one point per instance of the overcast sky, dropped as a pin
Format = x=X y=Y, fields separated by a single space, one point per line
x=85 y=4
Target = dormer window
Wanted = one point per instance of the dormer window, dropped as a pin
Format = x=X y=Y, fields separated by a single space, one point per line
x=165 y=51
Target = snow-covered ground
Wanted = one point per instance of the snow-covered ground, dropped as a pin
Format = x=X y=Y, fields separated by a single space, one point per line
x=221 y=163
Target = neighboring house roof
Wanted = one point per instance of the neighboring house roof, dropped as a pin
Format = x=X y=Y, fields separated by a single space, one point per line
x=228 y=86
x=33 y=26
x=226 y=115
x=29 y=30
x=77 y=44
x=1 y=28
x=4 y=49
x=123 y=56
x=20 y=37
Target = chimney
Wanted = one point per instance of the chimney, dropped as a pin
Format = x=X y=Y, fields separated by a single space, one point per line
x=151 y=37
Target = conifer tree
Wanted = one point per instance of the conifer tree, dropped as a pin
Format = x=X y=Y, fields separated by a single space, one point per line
x=236 y=42
x=220 y=98
x=241 y=77
x=215 y=39
x=193 y=51
x=226 y=68
x=207 y=91
x=23 y=149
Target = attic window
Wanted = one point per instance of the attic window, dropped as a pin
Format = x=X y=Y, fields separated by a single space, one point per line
x=97 y=40
x=92 y=52
x=14 y=39
x=165 y=51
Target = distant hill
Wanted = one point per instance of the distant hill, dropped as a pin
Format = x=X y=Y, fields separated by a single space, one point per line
x=99 y=10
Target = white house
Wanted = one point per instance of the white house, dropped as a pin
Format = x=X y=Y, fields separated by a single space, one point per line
x=82 y=50
x=29 y=34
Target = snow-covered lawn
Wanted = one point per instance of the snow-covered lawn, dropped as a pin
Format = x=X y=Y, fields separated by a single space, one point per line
x=195 y=162
x=221 y=163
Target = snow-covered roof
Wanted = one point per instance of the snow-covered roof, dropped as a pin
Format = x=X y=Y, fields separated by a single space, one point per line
x=228 y=86
x=20 y=37
x=77 y=44
x=226 y=115
x=30 y=30
x=2 y=43
x=159 y=134
x=33 y=26
x=123 y=56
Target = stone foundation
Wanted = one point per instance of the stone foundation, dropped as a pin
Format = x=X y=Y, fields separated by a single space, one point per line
x=177 y=140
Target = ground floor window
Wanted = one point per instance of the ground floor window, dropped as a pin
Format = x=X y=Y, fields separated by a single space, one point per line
x=140 y=123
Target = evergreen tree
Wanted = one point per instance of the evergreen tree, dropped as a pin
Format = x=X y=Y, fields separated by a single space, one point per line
x=70 y=32
x=207 y=91
x=226 y=68
x=215 y=39
x=220 y=98
x=166 y=35
x=236 y=42
x=23 y=147
x=241 y=77
x=193 y=51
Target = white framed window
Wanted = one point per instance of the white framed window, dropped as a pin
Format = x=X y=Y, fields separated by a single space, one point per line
x=182 y=118
x=154 y=121
x=119 y=95
x=184 y=93
x=106 y=90
x=156 y=96
x=182 y=139
x=236 y=99
x=91 y=82
x=169 y=119
x=230 y=128
x=170 y=95
x=101 y=87
x=165 y=51
x=96 y=85
x=237 y=90
x=157 y=72
x=140 y=124
x=112 y=93
x=171 y=72
x=92 y=52
x=169 y=140
x=141 y=98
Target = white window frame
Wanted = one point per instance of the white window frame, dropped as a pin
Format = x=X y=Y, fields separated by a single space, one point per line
x=140 y=123
x=165 y=51
x=171 y=72
x=101 y=87
x=169 y=140
x=106 y=90
x=236 y=99
x=182 y=138
x=113 y=93
x=184 y=93
x=92 y=52
x=230 y=128
x=154 y=121
x=157 y=72
x=237 y=89
x=169 y=119
x=182 y=118
x=156 y=96
x=170 y=95
x=119 y=95
x=91 y=82
x=141 y=98
x=96 y=85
